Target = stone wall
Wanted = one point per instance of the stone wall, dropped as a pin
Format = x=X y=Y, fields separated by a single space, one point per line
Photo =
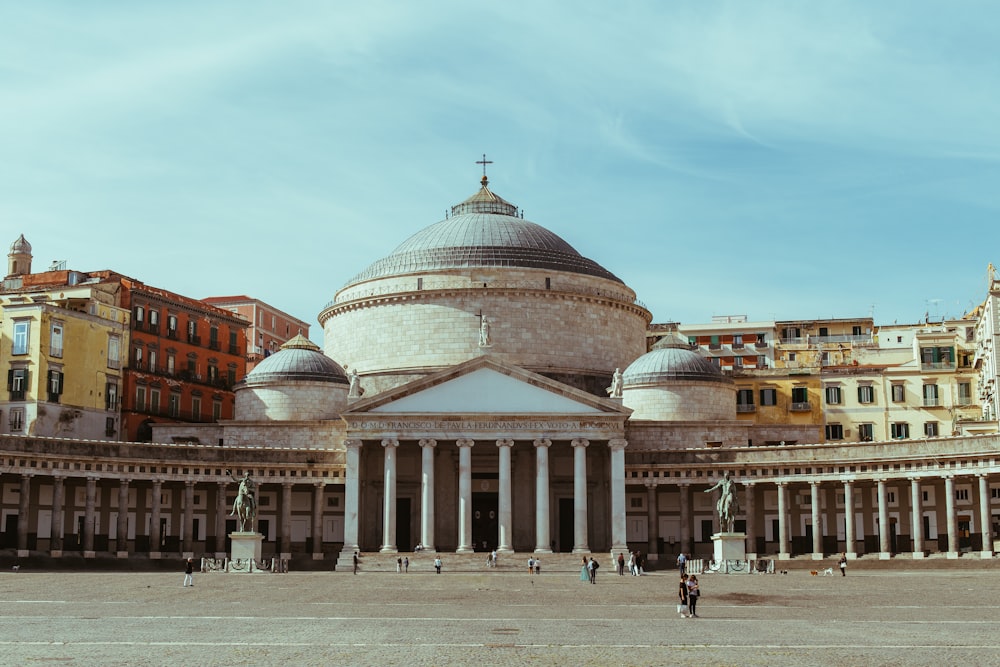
x=682 y=401
x=298 y=401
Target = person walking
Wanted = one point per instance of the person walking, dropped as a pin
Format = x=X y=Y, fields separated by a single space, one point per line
x=682 y=563
x=682 y=597
x=843 y=565
x=437 y=565
x=355 y=562
x=592 y=569
x=189 y=572
x=399 y=565
x=693 y=593
x=531 y=565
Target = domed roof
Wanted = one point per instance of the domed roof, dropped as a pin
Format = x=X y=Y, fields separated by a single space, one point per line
x=483 y=231
x=671 y=359
x=298 y=359
x=20 y=246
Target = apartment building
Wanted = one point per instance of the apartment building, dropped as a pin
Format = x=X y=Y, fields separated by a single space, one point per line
x=268 y=327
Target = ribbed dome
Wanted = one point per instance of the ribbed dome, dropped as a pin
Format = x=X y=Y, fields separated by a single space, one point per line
x=671 y=359
x=484 y=231
x=20 y=246
x=298 y=359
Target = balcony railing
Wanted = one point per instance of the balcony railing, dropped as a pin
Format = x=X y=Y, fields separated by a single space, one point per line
x=737 y=346
x=740 y=408
x=932 y=402
x=937 y=365
x=801 y=407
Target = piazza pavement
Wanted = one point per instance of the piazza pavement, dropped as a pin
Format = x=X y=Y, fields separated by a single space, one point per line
x=931 y=613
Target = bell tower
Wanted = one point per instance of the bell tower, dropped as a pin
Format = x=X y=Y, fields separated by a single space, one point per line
x=19 y=258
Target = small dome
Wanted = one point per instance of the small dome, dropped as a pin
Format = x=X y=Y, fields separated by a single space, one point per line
x=299 y=359
x=671 y=359
x=483 y=231
x=20 y=246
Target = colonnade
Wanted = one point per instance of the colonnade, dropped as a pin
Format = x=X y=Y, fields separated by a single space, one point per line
x=543 y=531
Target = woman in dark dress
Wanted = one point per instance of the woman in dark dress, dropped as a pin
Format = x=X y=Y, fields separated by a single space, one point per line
x=682 y=597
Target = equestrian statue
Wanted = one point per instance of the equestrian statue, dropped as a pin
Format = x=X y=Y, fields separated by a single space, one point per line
x=245 y=505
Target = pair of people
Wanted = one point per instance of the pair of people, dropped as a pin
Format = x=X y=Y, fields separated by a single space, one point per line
x=688 y=593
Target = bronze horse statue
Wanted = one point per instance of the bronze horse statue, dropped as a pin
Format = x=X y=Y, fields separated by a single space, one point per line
x=245 y=505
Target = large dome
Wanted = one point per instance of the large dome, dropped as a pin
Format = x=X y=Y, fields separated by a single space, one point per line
x=483 y=231
x=298 y=359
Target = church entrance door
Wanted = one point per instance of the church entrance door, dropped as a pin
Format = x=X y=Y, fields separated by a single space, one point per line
x=566 y=537
x=485 y=524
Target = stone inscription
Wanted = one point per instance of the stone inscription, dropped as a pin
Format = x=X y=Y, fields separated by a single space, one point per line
x=417 y=425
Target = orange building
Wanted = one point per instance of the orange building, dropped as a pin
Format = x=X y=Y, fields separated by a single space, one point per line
x=269 y=328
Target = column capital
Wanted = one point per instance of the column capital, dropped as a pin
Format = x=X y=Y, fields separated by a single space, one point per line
x=353 y=444
x=428 y=442
x=189 y=483
x=124 y=481
x=650 y=483
x=617 y=443
x=390 y=442
x=580 y=442
x=465 y=442
x=505 y=442
x=542 y=442
x=27 y=475
x=287 y=484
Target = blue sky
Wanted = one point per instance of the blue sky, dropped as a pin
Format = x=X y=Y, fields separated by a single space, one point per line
x=775 y=159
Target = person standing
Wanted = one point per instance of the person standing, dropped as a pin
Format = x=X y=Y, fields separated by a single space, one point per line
x=693 y=593
x=189 y=572
x=437 y=565
x=682 y=596
x=406 y=564
x=355 y=562
x=585 y=570
x=843 y=565
x=399 y=565
x=682 y=563
x=592 y=569
x=621 y=565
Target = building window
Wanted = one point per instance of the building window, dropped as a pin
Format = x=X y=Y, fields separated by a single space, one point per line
x=800 y=398
x=930 y=395
x=193 y=333
x=213 y=337
x=866 y=394
x=55 y=384
x=16 y=420
x=111 y=396
x=964 y=393
x=109 y=427
x=114 y=352
x=140 y=314
x=154 y=401
x=56 y=340
x=791 y=356
x=152 y=361
x=898 y=393
x=196 y=408
x=768 y=396
x=931 y=429
x=154 y=319
x=962 y=494
x=137 y=358
x=175 y=404
x=833 y=395
x=22 y=332
x=172 y=325
x=856 y=331
x=213 y=373
x=171 y=361
x=834 y=432
x=140 y=399
x=900 y=430
x=866 y=432
x=216 y=410
x=234 y=347
x=744 y=400
x=17 y=383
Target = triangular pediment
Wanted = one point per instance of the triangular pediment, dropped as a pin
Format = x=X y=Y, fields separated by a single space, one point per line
x=485 y=386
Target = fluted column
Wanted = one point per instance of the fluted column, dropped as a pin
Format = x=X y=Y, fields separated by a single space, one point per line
x=90 y=518
x=465 y=495
x=542 y=526
x=389 y=508
x=751 y=514
x=817 y=524
x=155 y=536
x=23 y=516
x=317 y=520
x=850 y=542
x=122 y=541
x=783 y=553
x=506 y=517
x=285 y=548
x=580 y=541
x=187 y=523
x=950 y=518
x=352 y=494
x=221 y=508
x=652 y=519
x=427 y=517
x=58 y=500
x=884 y=548
x=684 y=509
x=619 y=543
x=985 y=520
x=916 y=518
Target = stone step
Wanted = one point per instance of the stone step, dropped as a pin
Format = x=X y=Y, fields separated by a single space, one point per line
x=474 y=562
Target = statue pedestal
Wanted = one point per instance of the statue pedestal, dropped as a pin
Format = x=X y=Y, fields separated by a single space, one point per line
x=246 y=546
x=730 y=546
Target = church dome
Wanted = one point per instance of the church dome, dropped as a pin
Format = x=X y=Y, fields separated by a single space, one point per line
x=298 y=360
x=20 y=246
x=671 y=359
x=483 y=231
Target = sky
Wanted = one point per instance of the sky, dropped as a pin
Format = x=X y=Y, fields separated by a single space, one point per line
x=779 y=160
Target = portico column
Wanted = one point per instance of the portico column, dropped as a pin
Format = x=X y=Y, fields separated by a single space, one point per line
x=542 y=533
x=352 y=494
x=155 y=538
x=619 y=543
x=23 y=517
x=285 y=548
x=506 y=527
x=985 y=520
x=850 y=543
x=916 y=518
x=684 y=508
x=949 y=505
x=652 y=519
x=580 y=542
x=817 y=524
x=188 y=520
x=885 y=552
x=221 y=507
x=783 y=553
x=89 y=518
x=389 y=509
x=465 y=496
x=58 y=498
x=122 y=541
x=317 y=520
x=427 y=517
x=751 y=514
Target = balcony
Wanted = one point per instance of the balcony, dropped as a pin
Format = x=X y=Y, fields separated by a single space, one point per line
x=737 y=346
x=937 y=365
x=715 y=346
x=213 y=345
x=194 y=340
x=801 y=407
x=745 y=409
x=932 y=402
